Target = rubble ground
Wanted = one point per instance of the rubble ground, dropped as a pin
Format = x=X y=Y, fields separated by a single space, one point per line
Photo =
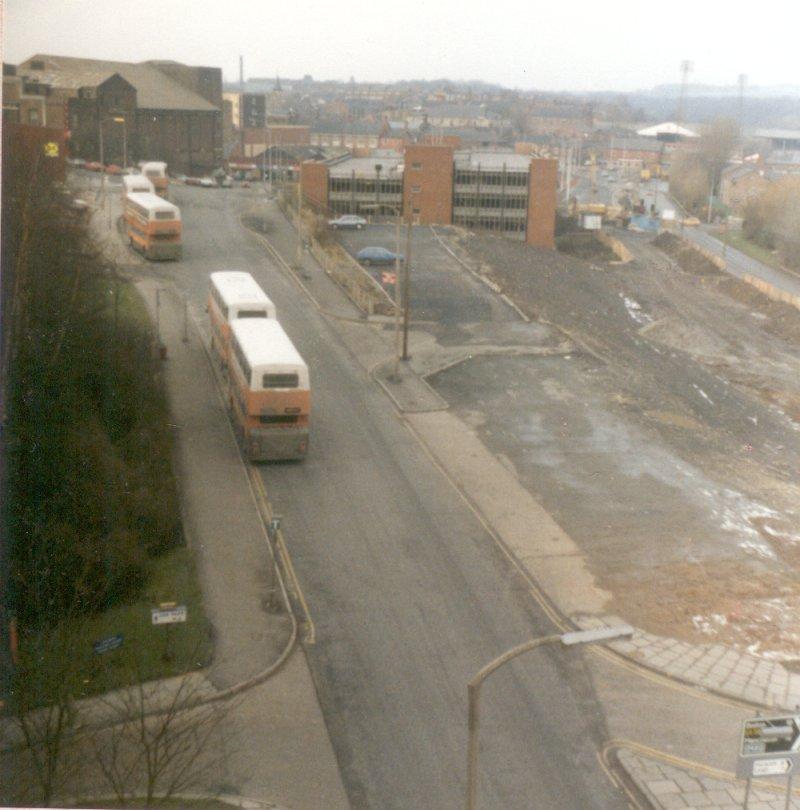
x=667 y=446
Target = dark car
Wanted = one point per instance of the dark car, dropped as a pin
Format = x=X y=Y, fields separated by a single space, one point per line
x=377 y=255
x=348 y=221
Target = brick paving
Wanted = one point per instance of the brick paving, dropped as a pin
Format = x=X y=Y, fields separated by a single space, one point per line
x=714 y=667
x=668 y=786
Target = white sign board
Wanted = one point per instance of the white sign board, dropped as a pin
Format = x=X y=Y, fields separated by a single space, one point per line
x=668 y=214
x=168 y=615
x=770 y=746
x=771 y=767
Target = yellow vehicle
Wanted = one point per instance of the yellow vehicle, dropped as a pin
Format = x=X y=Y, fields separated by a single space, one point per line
x=645 y=174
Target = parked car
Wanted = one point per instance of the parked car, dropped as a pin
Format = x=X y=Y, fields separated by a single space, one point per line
x=348 y=221
x=192 y=181
x=112 y=168
x=226 y=182
x=76 y=162
x=207 y=182
x=93 y=166
x=377 y=255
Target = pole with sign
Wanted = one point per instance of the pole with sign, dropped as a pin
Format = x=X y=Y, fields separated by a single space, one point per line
x=770 y=747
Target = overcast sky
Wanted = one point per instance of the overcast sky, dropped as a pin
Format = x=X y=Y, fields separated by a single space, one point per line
x=550 y=45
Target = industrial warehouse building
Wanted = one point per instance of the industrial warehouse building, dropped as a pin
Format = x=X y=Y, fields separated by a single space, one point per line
x=503 y=192
x=142 y=111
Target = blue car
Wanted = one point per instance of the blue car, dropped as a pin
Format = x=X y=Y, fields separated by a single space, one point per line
x=377 y=255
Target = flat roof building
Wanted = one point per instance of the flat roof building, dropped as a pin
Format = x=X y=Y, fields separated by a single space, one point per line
x=505 y=192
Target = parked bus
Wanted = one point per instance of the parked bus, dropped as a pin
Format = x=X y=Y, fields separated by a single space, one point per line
x=234 y=294
x=156 y=171
x=153 y=226
x=269 y=391
x=136 y=184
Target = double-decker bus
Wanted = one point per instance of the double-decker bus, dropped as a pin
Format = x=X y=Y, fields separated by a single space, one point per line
x=136 y=184
x=153 y=226
x=234 y=294
x=156 y=171
x=269 y=391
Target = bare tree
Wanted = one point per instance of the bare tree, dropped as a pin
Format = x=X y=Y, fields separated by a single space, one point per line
x=162 y=738
x=45 y=684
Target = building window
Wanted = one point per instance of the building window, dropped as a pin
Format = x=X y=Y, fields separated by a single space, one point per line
x=415 y=210
x=416 y=166
x=33 y=116
x=416 y=189
x=37 y=64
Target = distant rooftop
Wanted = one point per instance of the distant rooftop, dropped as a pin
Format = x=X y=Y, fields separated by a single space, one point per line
x=667 y=128
x=779 y=134
x=155 y=90
x=391 y=167
x=492 y=161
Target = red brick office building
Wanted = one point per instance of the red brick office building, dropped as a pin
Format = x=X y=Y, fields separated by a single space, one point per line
x=501 y=192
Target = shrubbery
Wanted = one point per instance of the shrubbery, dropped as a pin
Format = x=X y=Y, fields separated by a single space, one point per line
x=90 y=490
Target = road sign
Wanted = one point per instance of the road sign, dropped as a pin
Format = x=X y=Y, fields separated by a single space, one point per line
x=51 y=149
x=107 y=644
x=772 y=767
x=168 y=615
x=770 y=746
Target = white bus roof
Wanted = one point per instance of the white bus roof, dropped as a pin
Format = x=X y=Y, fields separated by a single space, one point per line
x=137 y=182
x=152 y=202
x=268 y=348
x=237 y=288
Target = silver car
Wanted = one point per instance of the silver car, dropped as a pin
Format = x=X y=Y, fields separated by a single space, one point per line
x=348 y=221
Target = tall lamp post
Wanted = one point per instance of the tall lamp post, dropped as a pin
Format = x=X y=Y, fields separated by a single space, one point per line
x=474 y=686
x=398 y=212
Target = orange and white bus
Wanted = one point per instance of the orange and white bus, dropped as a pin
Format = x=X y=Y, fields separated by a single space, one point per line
x=234 y=294
x=153 y=226
x=269 y=391
x=136 y=184
x=156 y=171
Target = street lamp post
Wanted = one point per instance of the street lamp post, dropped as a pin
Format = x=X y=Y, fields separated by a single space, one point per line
x=397 y=290
x=474 y=686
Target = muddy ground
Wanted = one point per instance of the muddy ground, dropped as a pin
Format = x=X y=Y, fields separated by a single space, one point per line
x=667 y=445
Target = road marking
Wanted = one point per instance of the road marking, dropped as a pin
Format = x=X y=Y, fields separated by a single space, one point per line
x=689 y=764
x=261 y=496
x=257 y=490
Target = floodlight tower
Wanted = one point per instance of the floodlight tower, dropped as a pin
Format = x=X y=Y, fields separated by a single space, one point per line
x=686 y=67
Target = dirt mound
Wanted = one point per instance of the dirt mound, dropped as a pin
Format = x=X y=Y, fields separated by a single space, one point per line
x=585 y=246
x=782 y=320
x=689 y=258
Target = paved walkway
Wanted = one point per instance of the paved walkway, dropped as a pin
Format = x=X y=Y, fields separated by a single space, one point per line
x=714 y=667
x=668 y=786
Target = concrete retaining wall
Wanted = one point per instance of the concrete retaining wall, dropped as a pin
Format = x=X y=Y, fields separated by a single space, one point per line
x=620 y=251
x=771 y=291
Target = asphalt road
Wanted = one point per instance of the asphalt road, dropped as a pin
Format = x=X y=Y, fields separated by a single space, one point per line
x=408 y=593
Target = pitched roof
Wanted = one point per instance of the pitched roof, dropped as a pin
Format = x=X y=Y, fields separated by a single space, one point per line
x=154 y=89
x=668 y=128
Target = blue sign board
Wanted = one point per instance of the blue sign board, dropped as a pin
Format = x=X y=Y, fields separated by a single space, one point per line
x=107 y=644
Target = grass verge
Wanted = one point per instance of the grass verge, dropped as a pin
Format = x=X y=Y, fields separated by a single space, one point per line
x=737 y=240
x=160 y=651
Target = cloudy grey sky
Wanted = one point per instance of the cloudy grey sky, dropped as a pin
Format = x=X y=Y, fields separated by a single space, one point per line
x=577 y=45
